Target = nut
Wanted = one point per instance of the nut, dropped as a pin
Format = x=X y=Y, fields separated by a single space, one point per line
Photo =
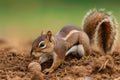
x=34 y=67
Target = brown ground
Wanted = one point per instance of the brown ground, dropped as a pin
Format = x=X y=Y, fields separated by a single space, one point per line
x=14 y=61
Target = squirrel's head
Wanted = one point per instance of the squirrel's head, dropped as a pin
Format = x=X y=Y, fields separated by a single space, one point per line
x=43 y=44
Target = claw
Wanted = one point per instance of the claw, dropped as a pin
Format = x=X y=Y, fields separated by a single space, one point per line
x=48 y=71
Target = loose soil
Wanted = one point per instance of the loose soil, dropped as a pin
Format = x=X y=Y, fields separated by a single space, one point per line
x=14 y=61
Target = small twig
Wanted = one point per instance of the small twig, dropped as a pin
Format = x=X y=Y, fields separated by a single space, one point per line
x=103 y=65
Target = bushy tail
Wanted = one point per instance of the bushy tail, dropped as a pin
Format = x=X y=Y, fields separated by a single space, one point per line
x=101 y=29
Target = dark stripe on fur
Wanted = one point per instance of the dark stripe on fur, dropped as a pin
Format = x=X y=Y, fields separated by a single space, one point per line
x=105 y=36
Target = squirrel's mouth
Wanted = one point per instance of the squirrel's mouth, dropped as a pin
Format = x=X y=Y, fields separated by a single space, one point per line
x=37 y=54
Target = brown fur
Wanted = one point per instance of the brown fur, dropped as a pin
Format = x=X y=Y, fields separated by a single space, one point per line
x=101 y=29
x=66 y=29
x=57 y=46
x=106 y=37
x=91 y=22
x=78 y=37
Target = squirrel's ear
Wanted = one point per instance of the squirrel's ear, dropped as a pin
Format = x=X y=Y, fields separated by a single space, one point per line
x=42 y=32
x=49 y=35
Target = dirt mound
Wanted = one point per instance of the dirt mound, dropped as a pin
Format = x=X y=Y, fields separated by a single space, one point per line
x=14 y=66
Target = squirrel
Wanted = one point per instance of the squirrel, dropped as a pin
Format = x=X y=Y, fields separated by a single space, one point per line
x=70 y=39
x=98 y=28
x=101 y=29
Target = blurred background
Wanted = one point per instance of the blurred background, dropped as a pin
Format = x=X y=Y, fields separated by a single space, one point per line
x=25 y=19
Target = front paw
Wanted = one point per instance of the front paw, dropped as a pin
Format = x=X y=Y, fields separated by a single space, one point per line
x=47 y=71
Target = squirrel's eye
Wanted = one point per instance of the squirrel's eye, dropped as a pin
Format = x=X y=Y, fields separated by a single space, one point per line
x=42 y=44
